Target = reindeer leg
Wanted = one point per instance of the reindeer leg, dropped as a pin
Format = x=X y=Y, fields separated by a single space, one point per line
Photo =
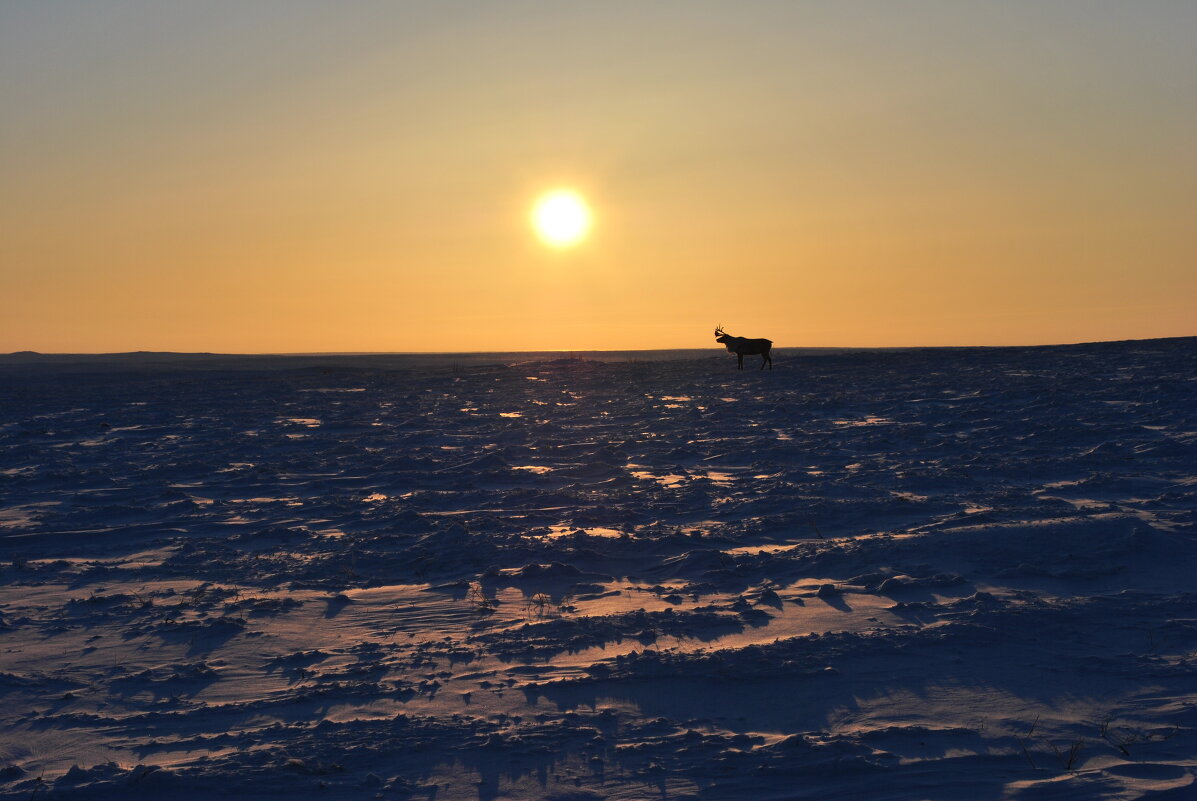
x=740 y=361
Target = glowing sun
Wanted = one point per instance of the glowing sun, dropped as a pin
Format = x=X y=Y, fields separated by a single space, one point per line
x=561 y=218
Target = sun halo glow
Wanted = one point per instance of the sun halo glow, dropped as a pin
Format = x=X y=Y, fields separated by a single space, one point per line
x=561 y=218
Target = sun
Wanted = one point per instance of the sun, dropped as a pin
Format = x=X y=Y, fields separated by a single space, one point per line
x=561 y=218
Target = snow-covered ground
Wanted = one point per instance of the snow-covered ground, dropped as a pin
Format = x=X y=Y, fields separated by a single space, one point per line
x=922 y=574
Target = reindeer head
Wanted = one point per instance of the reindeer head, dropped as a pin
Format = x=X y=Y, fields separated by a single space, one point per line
x=719 y=335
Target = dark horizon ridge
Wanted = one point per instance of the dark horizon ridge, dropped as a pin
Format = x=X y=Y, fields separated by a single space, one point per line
x=562 y=353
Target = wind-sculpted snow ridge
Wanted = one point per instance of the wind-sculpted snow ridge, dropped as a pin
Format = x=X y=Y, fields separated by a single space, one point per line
x=948 y=574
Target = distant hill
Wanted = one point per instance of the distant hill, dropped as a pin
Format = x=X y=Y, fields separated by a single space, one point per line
x=156 y=360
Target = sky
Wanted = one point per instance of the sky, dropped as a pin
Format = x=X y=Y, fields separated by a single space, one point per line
x=302 y=176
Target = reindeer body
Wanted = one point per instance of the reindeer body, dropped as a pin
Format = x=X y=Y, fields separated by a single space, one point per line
x=742 y=346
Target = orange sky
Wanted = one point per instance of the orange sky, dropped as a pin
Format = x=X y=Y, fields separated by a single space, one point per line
x=298 y=177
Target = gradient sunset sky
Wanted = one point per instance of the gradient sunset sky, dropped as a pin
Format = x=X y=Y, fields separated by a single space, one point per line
x=358 y=176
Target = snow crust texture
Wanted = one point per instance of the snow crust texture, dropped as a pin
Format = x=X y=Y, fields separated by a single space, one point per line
x=924 y=574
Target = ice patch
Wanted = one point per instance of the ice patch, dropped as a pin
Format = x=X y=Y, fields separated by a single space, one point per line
x=587 y=531
x=664 y=479
x=870 y=420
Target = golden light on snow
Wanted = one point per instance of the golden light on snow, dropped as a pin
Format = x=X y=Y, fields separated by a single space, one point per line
x=561 y=218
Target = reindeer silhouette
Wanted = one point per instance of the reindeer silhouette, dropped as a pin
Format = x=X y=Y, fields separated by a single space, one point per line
x=745 y=347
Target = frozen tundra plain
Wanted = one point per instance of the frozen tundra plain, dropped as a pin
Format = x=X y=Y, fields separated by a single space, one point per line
x=898 y=574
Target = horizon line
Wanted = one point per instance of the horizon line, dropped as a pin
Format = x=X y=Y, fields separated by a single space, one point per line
x=27 y=352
